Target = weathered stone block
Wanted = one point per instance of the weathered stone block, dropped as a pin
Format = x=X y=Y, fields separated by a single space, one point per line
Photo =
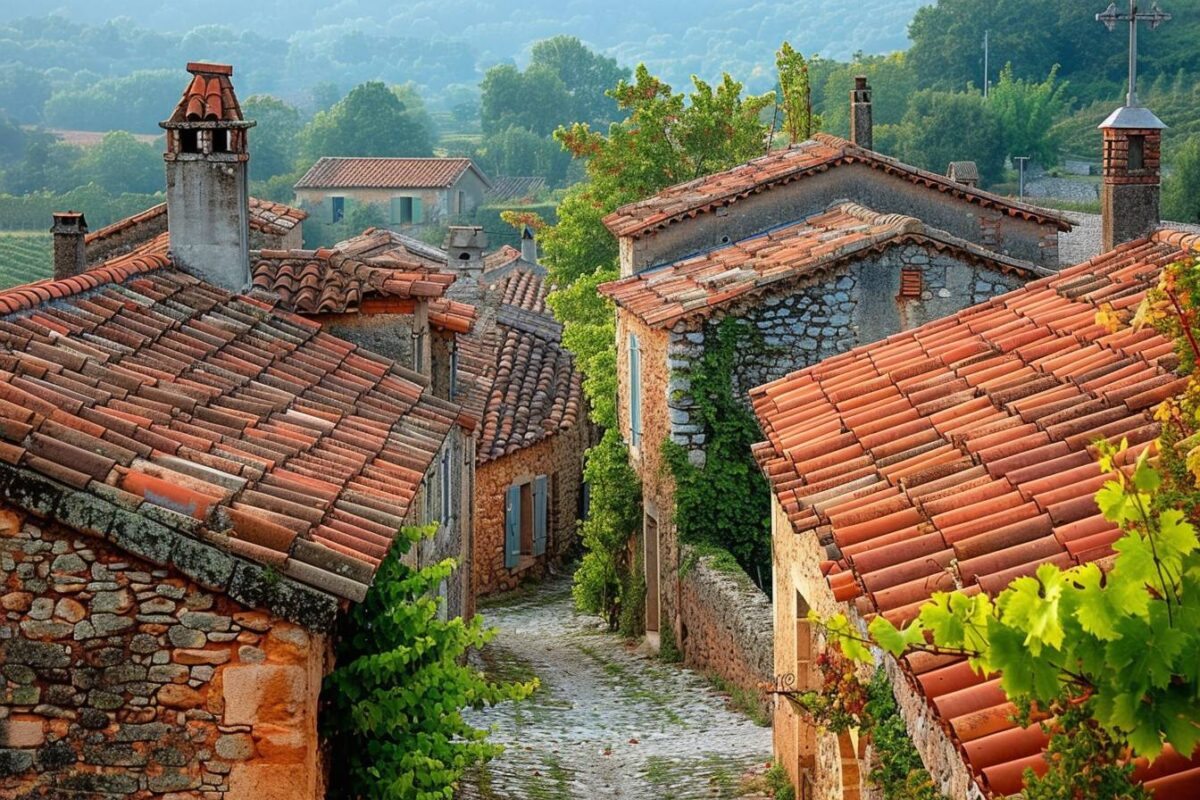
x=22 y=732
x=204 y=563
x=258 y=693
x=35 y=654
x=181 y=636
x=58 y=755
x=14 y=762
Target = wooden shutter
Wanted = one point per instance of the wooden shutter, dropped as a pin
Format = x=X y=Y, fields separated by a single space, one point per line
x=327 y=208
x=512 y=527
x=635 y=392
x=539 y=515
x=417 y=217
x=397 y=210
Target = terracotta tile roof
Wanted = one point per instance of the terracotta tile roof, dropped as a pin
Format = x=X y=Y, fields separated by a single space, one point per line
x=241 y=426
x=520 y=379
x=502 y=257
x=697 y=285
x=378 y=244
x=265 y=216
x=780 y=167
x=209 y=97
x=959 y=454
x=328 y=282
x=386 y=173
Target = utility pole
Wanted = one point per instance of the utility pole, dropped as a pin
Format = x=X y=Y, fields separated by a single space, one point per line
x=985 y=64
x=1021 y=169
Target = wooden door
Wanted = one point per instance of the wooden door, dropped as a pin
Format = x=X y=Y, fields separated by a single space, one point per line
x=652 y=577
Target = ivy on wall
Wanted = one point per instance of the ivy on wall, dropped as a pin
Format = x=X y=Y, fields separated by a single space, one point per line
x=726 y=502
x=392 y=710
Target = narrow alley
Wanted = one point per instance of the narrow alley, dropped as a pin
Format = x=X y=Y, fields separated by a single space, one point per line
x=607 y=722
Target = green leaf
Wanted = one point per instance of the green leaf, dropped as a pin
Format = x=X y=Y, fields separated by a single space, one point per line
x=1094 y=612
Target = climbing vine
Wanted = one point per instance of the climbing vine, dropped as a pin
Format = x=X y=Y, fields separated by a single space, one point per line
x=726 y=502
x=392 y=711
x=1109 y=655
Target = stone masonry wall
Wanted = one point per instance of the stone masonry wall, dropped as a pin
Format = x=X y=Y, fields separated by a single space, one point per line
x=559 y=456
x=809 y=322
x=727 y=626
x=125 y=680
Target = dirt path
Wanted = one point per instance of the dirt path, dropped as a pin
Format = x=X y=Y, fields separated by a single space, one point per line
x=607 y=722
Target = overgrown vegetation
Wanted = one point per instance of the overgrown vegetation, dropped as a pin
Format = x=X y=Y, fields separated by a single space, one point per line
x=726 y=502
x=393 y=707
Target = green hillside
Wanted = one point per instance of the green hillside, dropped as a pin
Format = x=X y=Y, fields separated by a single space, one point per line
x=24 y=257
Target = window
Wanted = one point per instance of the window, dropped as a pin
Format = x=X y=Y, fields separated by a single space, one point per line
x=461 y=203
x=189 y=141
x=635 y=392
x=453 y=372
x=526 y=530
x=1137 y=152
x=337 y=209
x=406 y=210
x=220 y=141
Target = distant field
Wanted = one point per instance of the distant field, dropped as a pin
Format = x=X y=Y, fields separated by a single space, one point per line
x=86 y=139
x=24 y=257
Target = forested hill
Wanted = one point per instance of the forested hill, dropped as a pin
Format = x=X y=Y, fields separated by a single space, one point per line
x=285 y=46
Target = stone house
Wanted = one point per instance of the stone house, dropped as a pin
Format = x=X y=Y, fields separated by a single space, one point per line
x=956 y=455
x=410 y=193
x=193 y=484
x=799 y=293
x=534 y=429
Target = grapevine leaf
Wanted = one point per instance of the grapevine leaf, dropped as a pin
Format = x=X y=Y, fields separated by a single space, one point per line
x=1145 y=476
x=1176 y=536
x=1032 y=605
x=1113 y=502
x=1094 y=612
x=887 y=635
x=936 y=617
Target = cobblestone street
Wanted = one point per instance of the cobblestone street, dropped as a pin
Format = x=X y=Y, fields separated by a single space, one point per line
x=607 y=722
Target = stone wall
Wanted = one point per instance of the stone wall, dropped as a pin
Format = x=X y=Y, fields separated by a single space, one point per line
x=887 y=194
x=389 y=335
x=126 y=680
x=727 y=626
x=559 y=456
x=807 y=322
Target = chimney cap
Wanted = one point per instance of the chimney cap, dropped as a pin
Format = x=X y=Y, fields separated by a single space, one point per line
x=205 y=68
x=68 y=222
x=860 y=82
x=1133 y=118
x=527 y=233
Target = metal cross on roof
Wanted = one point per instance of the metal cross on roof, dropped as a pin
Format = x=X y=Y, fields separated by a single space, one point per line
x=1110 y=17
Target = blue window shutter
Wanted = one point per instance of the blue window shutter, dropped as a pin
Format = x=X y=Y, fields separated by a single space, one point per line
x=539 y=515
x=397 y=210
x=635 y=392
x=416 y=211
x=512 y=527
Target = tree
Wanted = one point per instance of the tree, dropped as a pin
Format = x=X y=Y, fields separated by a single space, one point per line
x=586 y=75
x=370 y=121
x=795 y=95
x=1181 y=187
x=135 y=102
x=892 y=83
x=23 y=93
x=393 y=707
x=273 y=140
x=519 y=151
x=121 y=163
x=535 y=99
x=1027 y=112
x=940 y=127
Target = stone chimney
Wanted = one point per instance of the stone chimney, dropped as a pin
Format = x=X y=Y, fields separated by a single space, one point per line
x=861 y=126
x=207 y=161
x=1129 y=192
x=70 y=255
x=464 y=253
x=529 y=248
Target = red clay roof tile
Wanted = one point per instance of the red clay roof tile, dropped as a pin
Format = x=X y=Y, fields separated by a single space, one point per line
x=387 y=173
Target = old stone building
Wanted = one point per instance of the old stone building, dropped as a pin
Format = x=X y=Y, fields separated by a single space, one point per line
x=522 y=384
x=410 y=193
x=798 y=294
x=193 y=484
x=956 y=455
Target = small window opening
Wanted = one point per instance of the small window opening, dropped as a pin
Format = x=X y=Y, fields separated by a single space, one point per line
x=189 y=141
x=338 y=207
x=1137 y=152
x=220 y=140
x=911 y=282
x=464 y=256
x=725 y=240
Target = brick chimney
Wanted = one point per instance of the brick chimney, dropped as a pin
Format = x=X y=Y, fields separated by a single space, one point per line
x=207 y=161
x=1129 y=192
x=861 y=126
x=529 y=248
x=464 y=252
x=70 y=255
